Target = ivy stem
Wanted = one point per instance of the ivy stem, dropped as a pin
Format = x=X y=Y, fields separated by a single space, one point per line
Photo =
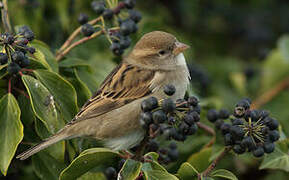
x=5 y=16
x=212 y=166
x=74 y=34
x=62 y=54
x=21 y=92
x=270 y=94
x=9 y=85
x=210 y=131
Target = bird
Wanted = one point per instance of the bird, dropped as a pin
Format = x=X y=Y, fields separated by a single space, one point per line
x=111 y=115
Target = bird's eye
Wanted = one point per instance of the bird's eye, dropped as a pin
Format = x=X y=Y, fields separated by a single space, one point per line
x=162 y=52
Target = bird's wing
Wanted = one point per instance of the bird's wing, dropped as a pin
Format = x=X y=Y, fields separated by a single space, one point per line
x=122 y=86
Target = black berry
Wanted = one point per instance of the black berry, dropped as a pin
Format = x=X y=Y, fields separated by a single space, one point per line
x=134 y=15
x=159 y=117
x=107 y=14
x=239 y=149
x=224 y=114
x=98 y=7
x=168 y=105
x=129 y=4
x=82 y=18
x=258 y=152
x=169 y=90
x=149 y=104
x=110 y=173
x=212 y=115
x=3 y=58
x=193 y=101
x=87 y=29
x=13 y=68
x=269 y=147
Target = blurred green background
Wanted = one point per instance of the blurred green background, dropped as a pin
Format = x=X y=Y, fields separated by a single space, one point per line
x=239 y=48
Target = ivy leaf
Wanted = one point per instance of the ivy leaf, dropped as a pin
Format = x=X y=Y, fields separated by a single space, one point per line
x=130 y=170
x=88 y=160
x=283 y=45
x=200 y=160
x=46 y=167
x=42 y=104
x=223 y=173
x=73 y=62
x=276 y=160
x=92 y=176
x=83 y=92
x=62 y=91
x=45 y=54
x=11 y=130
x=187 y=171
x=159 y=175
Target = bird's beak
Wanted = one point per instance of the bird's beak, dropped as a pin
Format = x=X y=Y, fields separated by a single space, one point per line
x=180 y=47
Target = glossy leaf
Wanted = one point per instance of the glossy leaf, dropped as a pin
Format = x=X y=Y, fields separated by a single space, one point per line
x=45 y=54
x=62 y=92
x=159 y=175
x=200 y=160
x=283 y=45
x=187 y=171
x=130 y=170
x=224 y=174
x=87 y=160
x=42 y=103
x=73 y=62
x=46 y=167
x=11 y=130
x=83 y=92
x=276 y=160
x=36 y=64
x=92 y=176
x=88 y=78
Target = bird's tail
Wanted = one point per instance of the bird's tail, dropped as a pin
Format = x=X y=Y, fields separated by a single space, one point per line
x=44 y=144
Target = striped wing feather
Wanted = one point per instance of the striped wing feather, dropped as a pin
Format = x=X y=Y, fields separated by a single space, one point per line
x=123 y=85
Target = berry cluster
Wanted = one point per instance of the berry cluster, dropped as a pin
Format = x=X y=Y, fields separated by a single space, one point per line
x=15 y=48
x=166 y=155
x=251 y=130
x=120 y=35
x=173 y=120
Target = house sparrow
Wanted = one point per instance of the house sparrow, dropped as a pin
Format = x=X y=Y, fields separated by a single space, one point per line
x=112 y=113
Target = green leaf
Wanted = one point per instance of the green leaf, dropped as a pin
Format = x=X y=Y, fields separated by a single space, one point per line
x=130 y=170
x=28 y=117
x=283 y=45
x=62 y=91
x=83 y=92
x=92 y=176
x=40 y=57
x=187 y=171
x=46 y=167
x=11 y=130
x=153 y=155
x=87 y=160
x=159 y=175
x=200 y=160
x=275 y=69
x=276 y=160
x=223 y=173
x=44 y=54
x=35 y=64
x=88 y=78
x=73 y=62
x=42 y=103
x=238 y=80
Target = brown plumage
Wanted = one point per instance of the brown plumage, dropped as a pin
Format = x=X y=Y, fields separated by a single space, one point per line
x=111 y=114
